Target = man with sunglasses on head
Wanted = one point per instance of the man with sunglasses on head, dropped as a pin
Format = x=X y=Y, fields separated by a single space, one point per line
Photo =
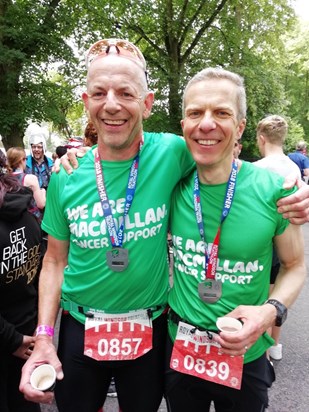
x=109 y=271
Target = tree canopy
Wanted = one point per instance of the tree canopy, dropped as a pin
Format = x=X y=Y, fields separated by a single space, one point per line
x=177 y=37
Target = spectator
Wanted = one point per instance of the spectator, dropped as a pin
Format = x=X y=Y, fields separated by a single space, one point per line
x=90 y=135
x=60 y=151
x=300 y=158
x=20 y=251
x=37 y=162
x=271 y=134
x=16 y=159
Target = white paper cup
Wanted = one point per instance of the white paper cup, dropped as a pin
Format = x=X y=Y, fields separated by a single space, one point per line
x=43 y=378
x=229 y=325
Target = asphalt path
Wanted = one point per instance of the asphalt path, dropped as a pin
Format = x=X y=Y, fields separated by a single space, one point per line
x=289 y=392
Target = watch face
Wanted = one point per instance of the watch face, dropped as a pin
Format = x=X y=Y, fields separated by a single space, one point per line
x=281 y=311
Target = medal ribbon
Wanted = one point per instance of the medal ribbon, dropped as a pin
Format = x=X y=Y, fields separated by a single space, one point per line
x=211 y=260
x=116 y=238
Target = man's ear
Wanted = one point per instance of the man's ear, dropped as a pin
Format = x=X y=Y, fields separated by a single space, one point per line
x=241 y=128
x=85 y=98
x=148 y=102
x=262 y=139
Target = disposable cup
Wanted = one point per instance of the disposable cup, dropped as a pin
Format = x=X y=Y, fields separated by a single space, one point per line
x=43 y=378
x=228 y=324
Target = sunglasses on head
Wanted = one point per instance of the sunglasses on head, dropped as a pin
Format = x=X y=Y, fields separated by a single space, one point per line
x=122 y=47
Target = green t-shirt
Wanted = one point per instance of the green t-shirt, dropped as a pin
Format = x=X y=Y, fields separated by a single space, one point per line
x=245 y=249
x=74 y=213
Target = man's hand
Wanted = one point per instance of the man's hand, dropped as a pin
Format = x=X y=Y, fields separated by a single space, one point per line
x=256 y=320
x=296 y=206
x=44 y=352
x=25 y=349
x=69 y=160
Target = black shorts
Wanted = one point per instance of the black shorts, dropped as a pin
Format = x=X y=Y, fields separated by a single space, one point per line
x=139 y=382
x=188 y=393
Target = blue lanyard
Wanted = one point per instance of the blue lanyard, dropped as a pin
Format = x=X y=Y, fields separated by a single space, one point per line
x=116 y=238
x=211 y=260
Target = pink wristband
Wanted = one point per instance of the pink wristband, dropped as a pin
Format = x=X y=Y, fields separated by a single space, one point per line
x=45 y=330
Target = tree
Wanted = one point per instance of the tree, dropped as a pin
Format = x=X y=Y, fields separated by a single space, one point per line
x=297 y=76
x=177 y=37
x=32 y=38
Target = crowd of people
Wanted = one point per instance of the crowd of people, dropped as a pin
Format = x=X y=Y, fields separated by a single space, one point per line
x=108 y=215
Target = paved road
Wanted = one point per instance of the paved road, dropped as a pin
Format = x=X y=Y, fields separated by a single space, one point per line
x=290 y=391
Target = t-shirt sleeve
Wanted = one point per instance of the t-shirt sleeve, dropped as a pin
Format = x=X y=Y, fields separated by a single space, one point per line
x=283 y=223
x=54 y=221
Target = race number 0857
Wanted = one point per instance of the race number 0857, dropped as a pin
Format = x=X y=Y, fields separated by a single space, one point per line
x=116 y=347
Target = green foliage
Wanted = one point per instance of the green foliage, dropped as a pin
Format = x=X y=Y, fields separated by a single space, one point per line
x=297 y=76
x=41 y=71
x=295 y=135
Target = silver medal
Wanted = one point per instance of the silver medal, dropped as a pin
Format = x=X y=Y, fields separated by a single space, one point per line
x=117 y=259
x=210 y=291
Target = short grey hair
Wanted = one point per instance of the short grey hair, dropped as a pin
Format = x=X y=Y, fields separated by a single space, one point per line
x=301 y=145
x=211 y=73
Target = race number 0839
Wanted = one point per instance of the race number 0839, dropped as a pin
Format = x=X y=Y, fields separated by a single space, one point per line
x=211 y=368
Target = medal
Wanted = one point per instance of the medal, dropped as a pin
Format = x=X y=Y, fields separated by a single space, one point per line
x=117 y=259
x=210 y=291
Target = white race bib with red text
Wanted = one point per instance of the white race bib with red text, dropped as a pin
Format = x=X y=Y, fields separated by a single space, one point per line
x=195 y=353
x=124 y=336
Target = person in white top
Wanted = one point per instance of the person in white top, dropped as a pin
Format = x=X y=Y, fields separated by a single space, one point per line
x=16 y=158
x=270 y=134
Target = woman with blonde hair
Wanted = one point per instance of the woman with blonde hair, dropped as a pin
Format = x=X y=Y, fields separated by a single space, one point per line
x=16 y=162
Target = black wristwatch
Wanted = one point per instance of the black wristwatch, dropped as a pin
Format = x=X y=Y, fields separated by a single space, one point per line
x=282 y=311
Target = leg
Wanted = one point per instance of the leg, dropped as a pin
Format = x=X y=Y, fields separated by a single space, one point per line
x=86 y=380
x=258 y=376
x=182 y=392
x=144 y=374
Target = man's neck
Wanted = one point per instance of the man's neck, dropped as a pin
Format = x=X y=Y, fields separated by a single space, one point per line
x=271 y=150
x=216 y=174
x=116 y=154
x=38 y=161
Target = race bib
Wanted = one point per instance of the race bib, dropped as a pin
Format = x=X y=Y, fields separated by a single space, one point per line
x=124 y=336
x=195 y=353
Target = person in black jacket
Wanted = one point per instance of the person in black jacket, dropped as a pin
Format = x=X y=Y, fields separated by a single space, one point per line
x=20 y=255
